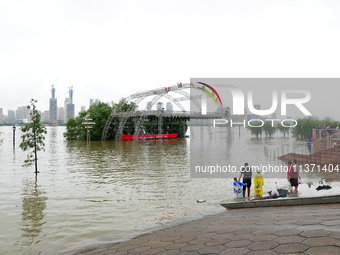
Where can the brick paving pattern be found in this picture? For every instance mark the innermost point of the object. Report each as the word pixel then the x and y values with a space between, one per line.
pixel 305 229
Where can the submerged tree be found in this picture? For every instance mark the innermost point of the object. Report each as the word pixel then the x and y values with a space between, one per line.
pixel 169 125
pixel 304 127
pixel 269 129
pixel 33 137
pixel 256 129
pixel 284 130
pixel 99 113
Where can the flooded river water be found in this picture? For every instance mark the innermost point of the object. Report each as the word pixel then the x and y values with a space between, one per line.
pixel 92 194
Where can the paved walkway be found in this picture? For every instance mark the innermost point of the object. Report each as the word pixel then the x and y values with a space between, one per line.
pixel 305 229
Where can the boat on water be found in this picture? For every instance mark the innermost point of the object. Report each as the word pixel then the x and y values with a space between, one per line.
pixel 148 136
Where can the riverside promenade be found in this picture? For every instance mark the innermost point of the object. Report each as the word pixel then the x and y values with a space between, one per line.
pixel 301 229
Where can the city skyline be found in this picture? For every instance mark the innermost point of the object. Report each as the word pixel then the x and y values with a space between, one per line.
pixel 60 114
pixel 54 114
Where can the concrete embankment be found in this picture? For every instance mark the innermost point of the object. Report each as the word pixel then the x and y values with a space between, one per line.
pixel 283 202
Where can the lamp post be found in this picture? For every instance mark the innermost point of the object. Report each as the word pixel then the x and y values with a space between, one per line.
pixel 14 128
pixel 88 126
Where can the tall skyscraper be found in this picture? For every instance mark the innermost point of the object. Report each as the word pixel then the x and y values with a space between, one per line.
pixel 53 107
pixel 61 115
pixel 69 105
pixel 11 116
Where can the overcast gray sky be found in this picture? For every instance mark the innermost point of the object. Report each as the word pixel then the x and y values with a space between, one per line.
pixel 111 49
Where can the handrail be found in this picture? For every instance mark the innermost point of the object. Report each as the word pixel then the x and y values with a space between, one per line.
pixel 324 132
pixel 326 142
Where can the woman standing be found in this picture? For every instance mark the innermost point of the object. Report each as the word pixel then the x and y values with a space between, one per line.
pixel 293 177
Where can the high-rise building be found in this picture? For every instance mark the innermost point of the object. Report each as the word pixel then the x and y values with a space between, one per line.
pixel 22 114
pixel 69 111
pixel 53 107
pixel 69 105
pixel 94 101
pixel 149 106
pixel 67 100
pixel 159 106
pixel 1 116
pixel 169 107
pixel 11 116
pixel 61 115
pixel 45 116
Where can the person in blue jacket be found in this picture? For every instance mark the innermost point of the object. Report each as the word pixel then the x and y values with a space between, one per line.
pixel 238 187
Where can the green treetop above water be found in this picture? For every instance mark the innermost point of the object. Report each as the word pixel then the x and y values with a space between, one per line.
pixel 33 137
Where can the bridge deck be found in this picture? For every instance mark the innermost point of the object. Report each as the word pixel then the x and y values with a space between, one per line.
pixel 178 114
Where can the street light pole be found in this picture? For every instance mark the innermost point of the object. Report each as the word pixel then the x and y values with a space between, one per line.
pixel 14 128
pixel 88 125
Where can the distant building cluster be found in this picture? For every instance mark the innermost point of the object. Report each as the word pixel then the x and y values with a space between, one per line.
pixel 55 114
pixel 159 106
pixel 94 101
pixel 60 115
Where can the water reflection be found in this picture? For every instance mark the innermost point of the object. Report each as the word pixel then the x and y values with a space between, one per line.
pixel 33 206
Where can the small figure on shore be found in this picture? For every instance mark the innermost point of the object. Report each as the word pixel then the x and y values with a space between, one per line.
pixel 293 176
pixel 258 184
pixel 238 187
pixel 334 144
pixel 290 173
pixel 246 173
pixel 309 145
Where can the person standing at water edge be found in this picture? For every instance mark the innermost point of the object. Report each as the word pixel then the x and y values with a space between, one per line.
pixel 258 184
pixel 292 177
pixel 290 173
pixel 296 175
pixel 238 187
pixel 246 173
pixel 309 144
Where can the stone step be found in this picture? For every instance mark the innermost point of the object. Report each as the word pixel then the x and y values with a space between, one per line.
pixel 283 202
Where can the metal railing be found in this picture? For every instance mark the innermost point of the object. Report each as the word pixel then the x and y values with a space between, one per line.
pixel 325 143
pixel 275 153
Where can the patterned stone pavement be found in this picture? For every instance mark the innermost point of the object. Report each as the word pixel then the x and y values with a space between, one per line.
pixel 305 229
